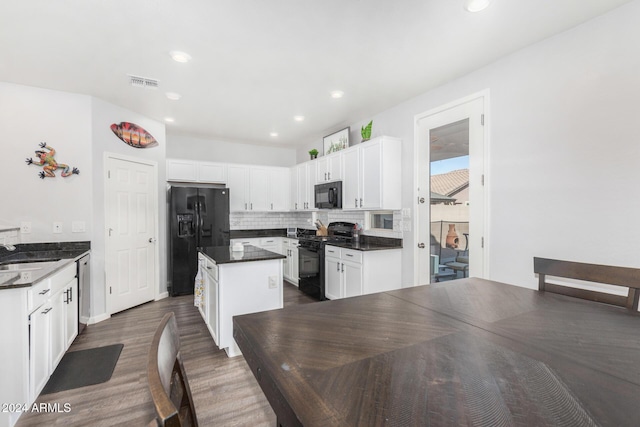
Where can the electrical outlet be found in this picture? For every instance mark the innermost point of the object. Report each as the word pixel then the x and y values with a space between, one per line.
pixel 57 227
pixel 273 282
pixel 25 227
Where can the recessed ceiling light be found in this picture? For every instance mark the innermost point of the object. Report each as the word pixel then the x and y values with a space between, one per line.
pixel 273 134
pixel 180 56
pixel 173 96
pixel 169 119
pixel 298 118
pixel 476 5
pixel 337 94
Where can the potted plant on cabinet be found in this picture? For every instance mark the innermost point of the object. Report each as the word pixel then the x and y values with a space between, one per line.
pixel 313 153
pixel 365 131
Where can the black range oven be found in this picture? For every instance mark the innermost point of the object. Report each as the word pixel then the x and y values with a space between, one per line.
pixel 311 257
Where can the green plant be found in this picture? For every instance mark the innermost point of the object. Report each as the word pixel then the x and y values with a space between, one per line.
pixel 313 152
pixel 365 131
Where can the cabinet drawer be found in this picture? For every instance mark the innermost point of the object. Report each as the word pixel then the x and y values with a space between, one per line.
pixel 269 241
pixel 211 269
pixel 62 278
pixel 351 255
pixel 332 251
pixel 38 294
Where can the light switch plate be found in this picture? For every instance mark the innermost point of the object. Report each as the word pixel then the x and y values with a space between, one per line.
pixel 78 227
pixel 57 227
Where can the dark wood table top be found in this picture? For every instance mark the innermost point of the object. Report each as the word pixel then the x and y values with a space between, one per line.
pixel 464 352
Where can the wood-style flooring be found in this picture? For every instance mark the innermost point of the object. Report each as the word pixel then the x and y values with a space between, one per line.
pixel 224 390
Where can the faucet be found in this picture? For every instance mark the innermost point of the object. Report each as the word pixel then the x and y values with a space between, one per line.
pixel 8 246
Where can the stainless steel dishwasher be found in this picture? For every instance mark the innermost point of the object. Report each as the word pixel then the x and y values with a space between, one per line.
pixel 84 292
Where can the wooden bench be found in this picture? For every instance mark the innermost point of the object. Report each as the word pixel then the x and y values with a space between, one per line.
pixel 619 276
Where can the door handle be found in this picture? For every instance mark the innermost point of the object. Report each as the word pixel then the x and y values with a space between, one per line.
pixel 421 245
pixel 152 239
pixel 325 176
pixel 296 206
pixel 271 206
pixel 343 267
pixel 47 310
pixel 70 294
pixel 360 201
pixel 329 174
pixel 421 200
pixel 338 267
pixel 245 206
pixel 356 203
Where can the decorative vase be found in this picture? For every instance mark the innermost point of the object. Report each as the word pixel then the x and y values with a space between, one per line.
pixel 313 156
pixel 452 237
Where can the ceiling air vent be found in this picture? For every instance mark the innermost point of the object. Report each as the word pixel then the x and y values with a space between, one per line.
pixel 144 82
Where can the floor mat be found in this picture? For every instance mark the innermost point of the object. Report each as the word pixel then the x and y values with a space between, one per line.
pixel 84 367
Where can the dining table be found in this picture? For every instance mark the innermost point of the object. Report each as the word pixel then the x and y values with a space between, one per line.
pixel 467 352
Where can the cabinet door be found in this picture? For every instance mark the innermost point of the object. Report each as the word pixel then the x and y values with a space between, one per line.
pixel 212 172
pixel 39 349
pixel 294 275
pixel 351 180
pixel 310 184
pixel 333 278
pixel 212 303
pixel 352 276
pixel 279 189
pixel 181 170
pixel 58 321
pixel 258 190
pixel 71 313
pixel 334 167
pixel 322 164
pixel 293 188
pixel 237 181
pixel 371 161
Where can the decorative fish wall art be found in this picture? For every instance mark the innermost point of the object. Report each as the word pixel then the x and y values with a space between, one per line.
pixel 49 164
pixel 134 135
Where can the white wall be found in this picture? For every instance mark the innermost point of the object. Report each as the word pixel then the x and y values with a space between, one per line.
pixel 28 116
pixel 563 148
pixel 186 147
pixel 104 141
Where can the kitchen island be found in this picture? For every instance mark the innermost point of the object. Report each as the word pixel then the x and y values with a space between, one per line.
pixel 234 283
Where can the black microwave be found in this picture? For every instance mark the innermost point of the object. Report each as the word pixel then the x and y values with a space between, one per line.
pixel 329 195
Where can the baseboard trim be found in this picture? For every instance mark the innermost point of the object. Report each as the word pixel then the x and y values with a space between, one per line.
pixel 162 296
pixel 98 319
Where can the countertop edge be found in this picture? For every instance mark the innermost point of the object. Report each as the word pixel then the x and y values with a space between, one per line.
pixel 63 263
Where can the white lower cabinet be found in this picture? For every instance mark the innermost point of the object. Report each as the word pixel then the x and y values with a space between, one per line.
pixel 40 349
pixel 210 298
pixel 349 272
pixel 290 264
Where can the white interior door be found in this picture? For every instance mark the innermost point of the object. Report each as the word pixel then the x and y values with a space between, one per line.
pixel 472 109
pixel 131 213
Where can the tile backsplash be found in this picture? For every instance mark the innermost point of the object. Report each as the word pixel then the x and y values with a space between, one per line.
pixel 259 220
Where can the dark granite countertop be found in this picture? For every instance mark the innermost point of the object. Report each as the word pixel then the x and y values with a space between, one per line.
pixel 224 254
pixel 371 243
pixel 263 232
pixel 37 261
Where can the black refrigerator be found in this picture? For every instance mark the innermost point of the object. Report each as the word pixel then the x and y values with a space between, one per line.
pixel 198 217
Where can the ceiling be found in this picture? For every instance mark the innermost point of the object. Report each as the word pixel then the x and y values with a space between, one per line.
pixel 256 64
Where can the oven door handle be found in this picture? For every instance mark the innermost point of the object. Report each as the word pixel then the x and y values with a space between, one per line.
pixel 331 195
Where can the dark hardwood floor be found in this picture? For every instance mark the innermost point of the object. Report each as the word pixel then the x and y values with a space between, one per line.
pixel 225 392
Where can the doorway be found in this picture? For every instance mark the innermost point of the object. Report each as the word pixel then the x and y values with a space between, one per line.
pixel 450 174
pixel 131 213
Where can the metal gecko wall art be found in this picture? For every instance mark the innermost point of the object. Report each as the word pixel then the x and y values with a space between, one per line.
pixel 49 164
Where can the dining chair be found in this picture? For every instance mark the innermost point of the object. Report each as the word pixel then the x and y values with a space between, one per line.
pixel 611 275
pixel 167 378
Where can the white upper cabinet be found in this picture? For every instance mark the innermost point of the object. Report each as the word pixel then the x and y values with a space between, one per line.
pixel 329 168
pixel 238 183
pixel 372 175
pixel 303 181
pixel 258 188
pixel 195 171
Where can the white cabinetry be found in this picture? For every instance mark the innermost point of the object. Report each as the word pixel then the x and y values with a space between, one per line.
pixel 239 288
pixel 290 264
pixel 329 168
pixel 351 272
pixel 209 308
pixel 372 178
pixel 303 181
pixel 258 189
pixel 196 171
